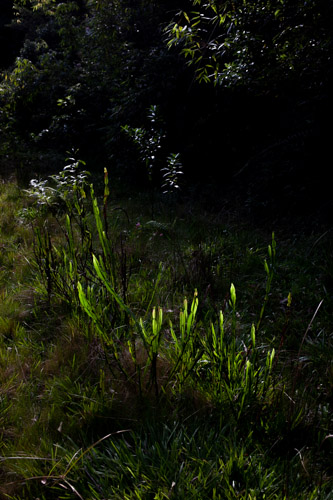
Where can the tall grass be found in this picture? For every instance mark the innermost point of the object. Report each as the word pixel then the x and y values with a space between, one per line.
pixel 113 385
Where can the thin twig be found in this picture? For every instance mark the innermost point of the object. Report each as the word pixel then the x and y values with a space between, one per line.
pixel 308 328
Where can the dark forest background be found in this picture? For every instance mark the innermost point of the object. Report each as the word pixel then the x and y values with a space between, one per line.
pixel 243 91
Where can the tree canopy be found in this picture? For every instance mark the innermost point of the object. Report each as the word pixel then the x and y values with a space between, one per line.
pixel 262 45
pixel 241 86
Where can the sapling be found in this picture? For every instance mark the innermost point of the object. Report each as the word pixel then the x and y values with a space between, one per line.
pixel 149 142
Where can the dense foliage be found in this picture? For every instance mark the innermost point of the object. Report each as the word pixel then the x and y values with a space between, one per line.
pixel 263 45
pixel 77 72
pixel 84 69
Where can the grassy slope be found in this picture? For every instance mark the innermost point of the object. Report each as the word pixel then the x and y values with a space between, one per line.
pixel 61 390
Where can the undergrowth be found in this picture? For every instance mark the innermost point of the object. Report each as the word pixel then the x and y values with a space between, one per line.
pixel 180 357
